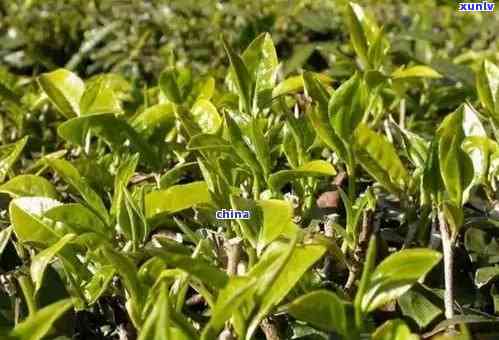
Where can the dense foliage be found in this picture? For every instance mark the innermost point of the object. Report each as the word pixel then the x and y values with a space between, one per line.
pixel 367 156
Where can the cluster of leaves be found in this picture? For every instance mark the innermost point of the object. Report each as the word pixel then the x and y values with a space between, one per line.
pixel 358 187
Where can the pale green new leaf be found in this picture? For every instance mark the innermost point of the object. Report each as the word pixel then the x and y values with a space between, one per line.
pixel 205 114
pixel 40 262
pixel 456 167
pixel 260 58
pixel 356 24
pixel 64 90
pixel 26 218
pixel 396 274
pixel 29 185
pixel 240 147
pixel 71 176
pixel 78 219
pixel 380 159
pixel 99 283
pixel 315 168
pixel 99 97
pixel 279 280
pixel 394 330
pixel 487 84
pixel 155 122
pixel 4 238
pixel 36 326
pixel 176 198
pixel 277 220
pixel 169 87
pixel 419 71
pixel 244 81
pixel 9 154
pixel 229 300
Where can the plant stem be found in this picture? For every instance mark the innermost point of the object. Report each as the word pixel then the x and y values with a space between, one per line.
pixel 233 248
pixel 402 113
pixel 28 292
pixel 448 266
pixel 360 251
pixel 351 184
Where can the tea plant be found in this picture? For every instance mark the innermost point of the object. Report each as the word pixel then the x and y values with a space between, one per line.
pixel 371 199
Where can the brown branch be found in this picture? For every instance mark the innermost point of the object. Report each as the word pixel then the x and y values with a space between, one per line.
pixel 270 329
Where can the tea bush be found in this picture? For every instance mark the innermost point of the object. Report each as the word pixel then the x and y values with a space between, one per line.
pixel 365 165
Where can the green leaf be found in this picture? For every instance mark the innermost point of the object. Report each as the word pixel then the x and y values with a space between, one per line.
pixel 396 274
pixel 99 283
pixel 197 267
pixel 36 326
pixel 415 148
pixel 346 107
pixel 205 141
pixel 122 177
pixel 114 131
pixel 321 309
pixel 26 218
pixel 296 84
pixel 176 173
pixel 131 219
pixel 379 158
pixel 487 84
pixel 71 176
pixel 205 114
pixel 484 275
pixel 260 58
pixel 155 122
pixel 64 90
pixel 176 198
pixel 316 91
pixel 229 300
pixel 240 147
pixel 456 167
pixel 29 185
pixel 416 306
pixel 275 282
pixel 260 145
pixel 394 330
pixel 158 324
pixel 78 219
pixel 276 221
pixel 243 79
pixel 207 89
pixel 9 154
pixel 99 97
pixel 355 20
pixel 169 87
pixel 418 71
pixel 378 50
pixel 4 238
pixel 40 262
pixel 311 169
pixel 128 273
pixel 320 121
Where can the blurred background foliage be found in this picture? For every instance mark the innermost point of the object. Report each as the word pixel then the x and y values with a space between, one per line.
pixel 140 38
